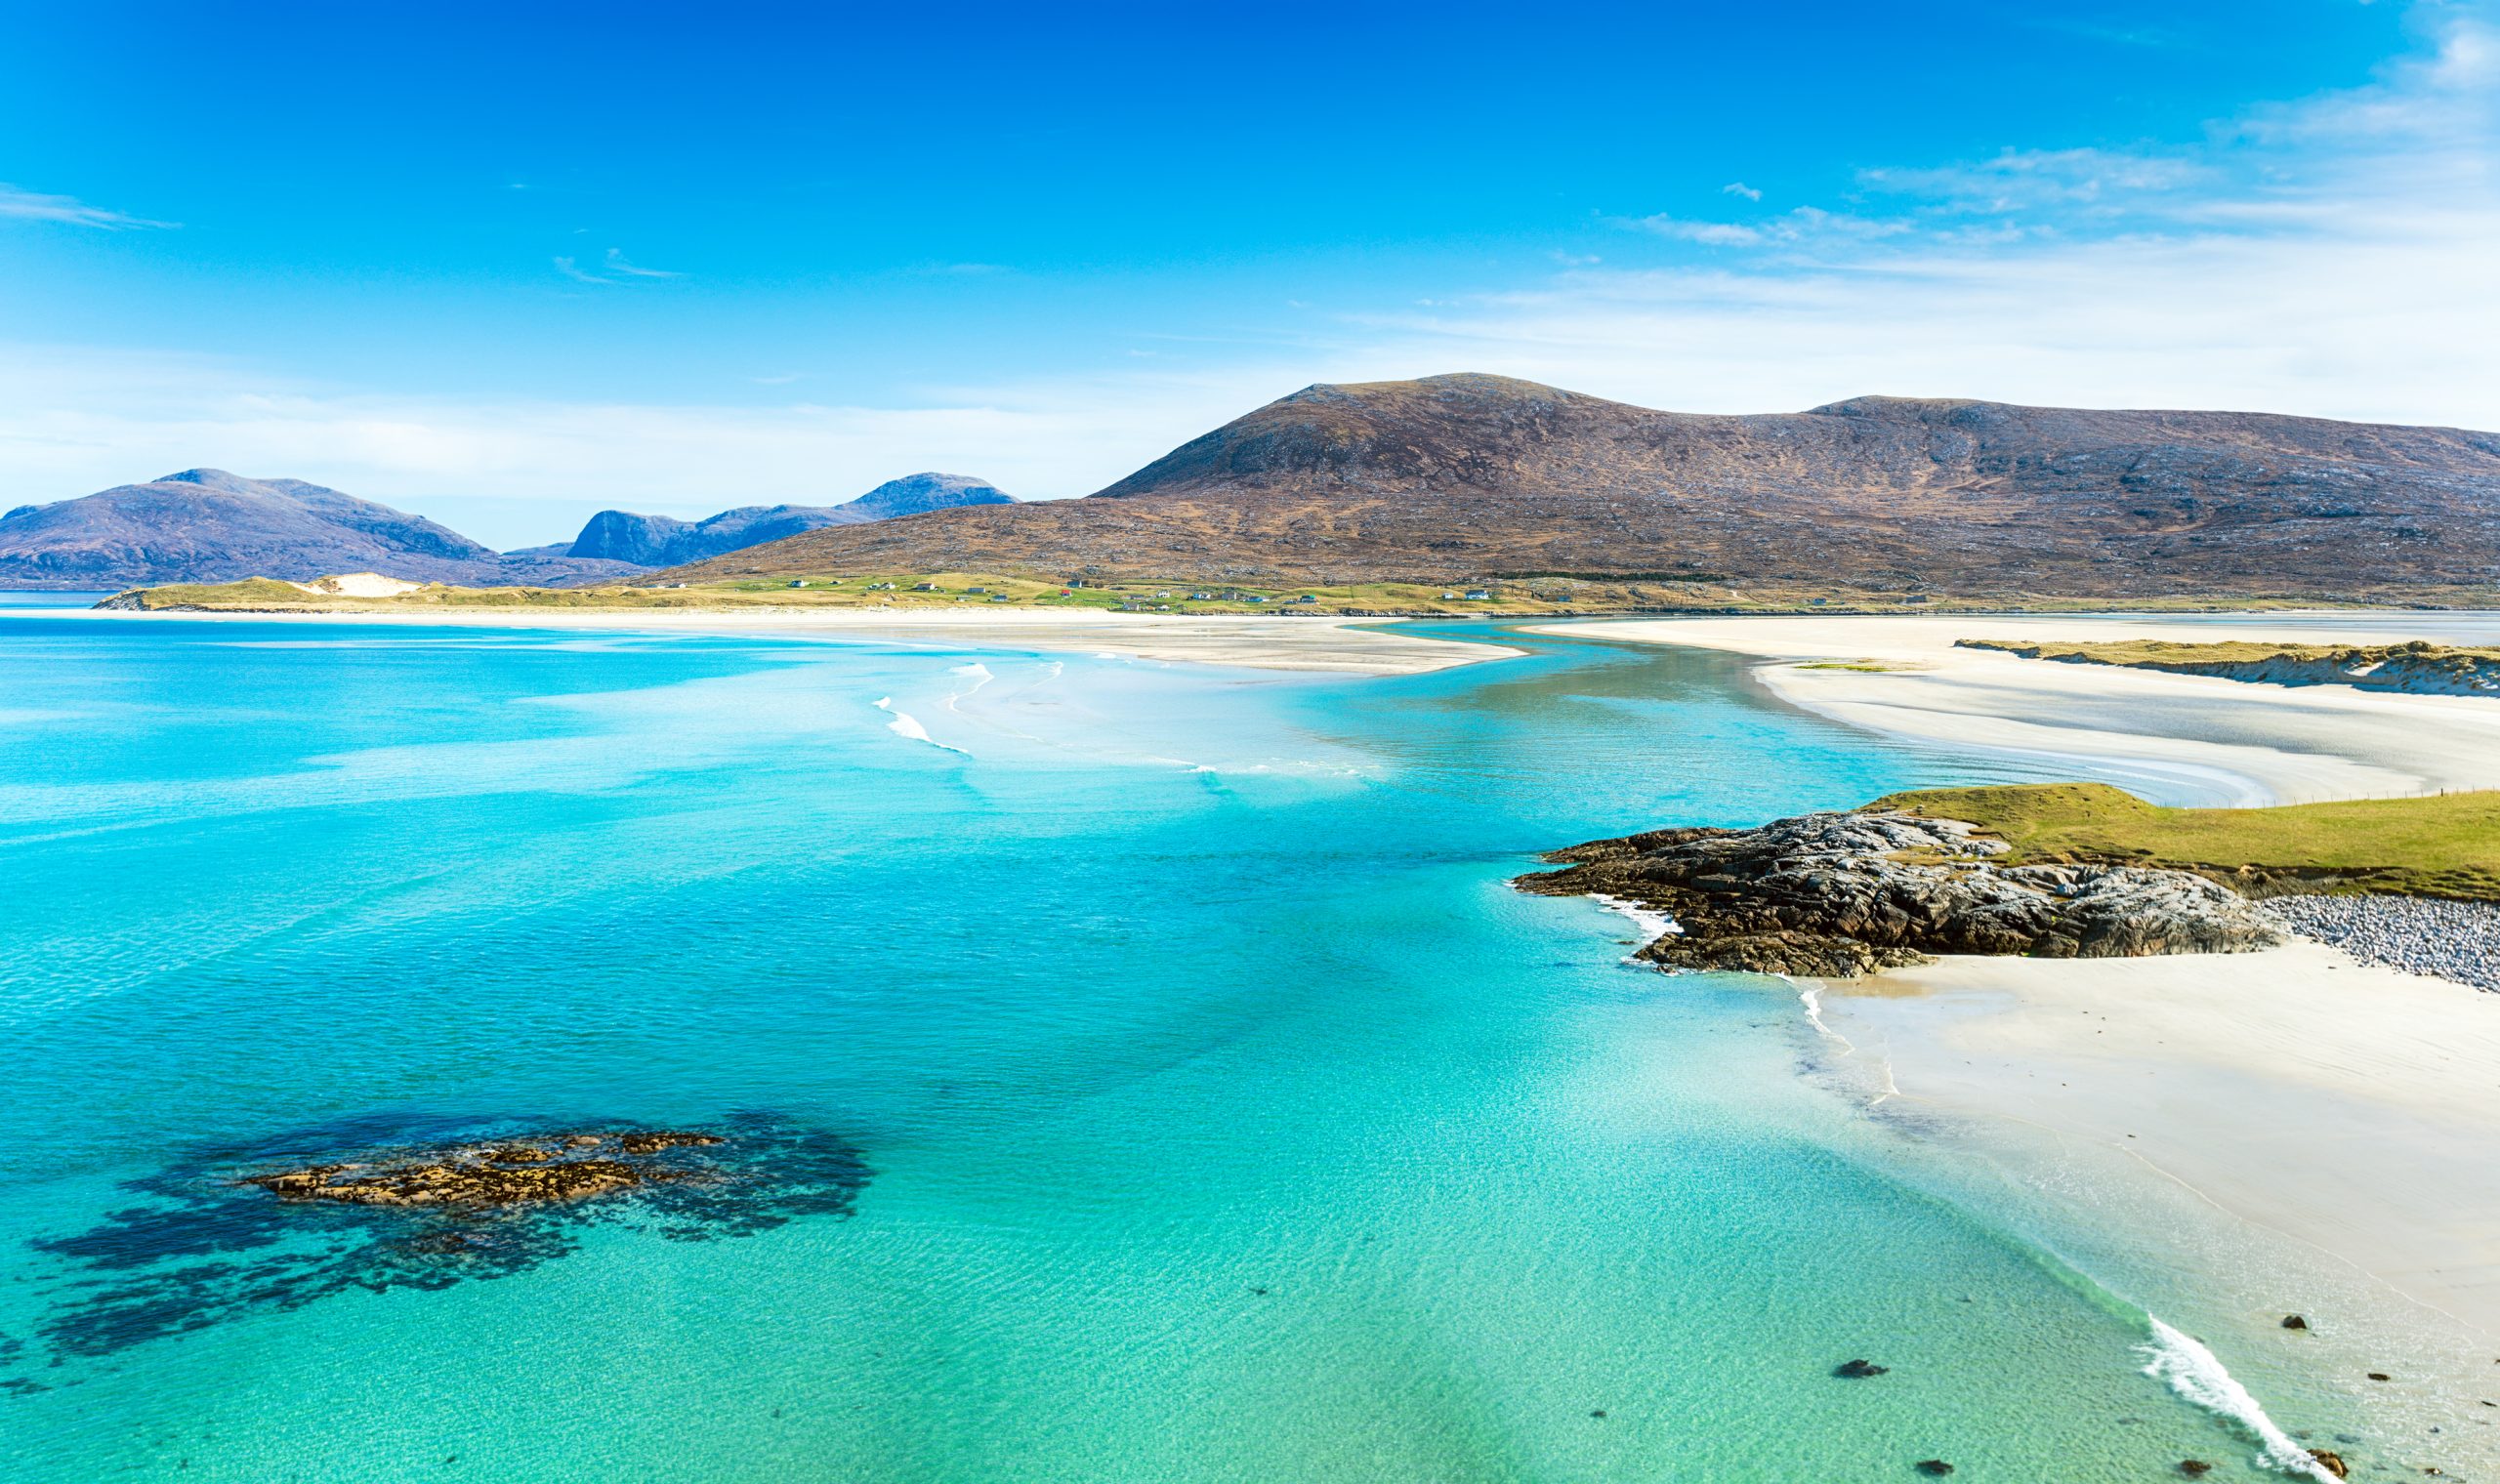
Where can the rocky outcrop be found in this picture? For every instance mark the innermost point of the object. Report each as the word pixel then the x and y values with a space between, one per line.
pixel 1832 895
pixel 508 1172
pixel 2417 668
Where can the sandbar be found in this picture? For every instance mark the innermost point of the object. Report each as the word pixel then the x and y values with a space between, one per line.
pixel 1314 642
pixel 2176 738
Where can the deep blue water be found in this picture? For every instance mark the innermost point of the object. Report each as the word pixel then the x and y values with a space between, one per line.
pixel 1146 1073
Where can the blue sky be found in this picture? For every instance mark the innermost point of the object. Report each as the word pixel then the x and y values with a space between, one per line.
pixel 507 269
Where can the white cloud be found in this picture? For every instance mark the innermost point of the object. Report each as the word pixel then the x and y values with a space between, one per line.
pixel 1740 188
pixel 1708 233
pixel 2331 256
pixel 34 206
pixel 615 267
pixel 616 264
pixel 520 473
pixel 2026 179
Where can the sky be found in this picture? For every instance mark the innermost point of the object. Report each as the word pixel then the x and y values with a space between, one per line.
pixel 507 266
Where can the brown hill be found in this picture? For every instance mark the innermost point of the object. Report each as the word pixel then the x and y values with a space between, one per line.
pixel 208 526
pixel 1475 476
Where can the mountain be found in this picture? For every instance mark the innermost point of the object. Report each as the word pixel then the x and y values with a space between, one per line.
pixel 659 541
pixel 1475 476
pixel 208 526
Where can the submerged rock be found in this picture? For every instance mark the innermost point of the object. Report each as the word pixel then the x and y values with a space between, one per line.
pixel 1857 1369
pixel 500 1174
pixel 1936 1467
pixel 1836 895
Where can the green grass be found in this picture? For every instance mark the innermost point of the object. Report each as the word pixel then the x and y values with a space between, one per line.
pixel 2156 652
pixel 2442 845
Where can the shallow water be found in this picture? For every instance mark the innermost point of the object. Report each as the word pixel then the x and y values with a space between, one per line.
pixel 1220 1114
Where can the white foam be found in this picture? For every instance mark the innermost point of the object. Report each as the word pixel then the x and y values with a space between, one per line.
pixel 1812 997
pixel 905 724
pixel 976 672
pixel 1653 924
pixel 2192 1370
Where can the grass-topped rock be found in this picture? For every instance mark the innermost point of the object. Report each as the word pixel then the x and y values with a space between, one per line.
pixel 2068 870
pixel 1837 895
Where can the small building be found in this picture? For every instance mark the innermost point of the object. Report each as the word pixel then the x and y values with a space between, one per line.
pixel 1308 598
pixel 1479 594
pixel 924 587
pixel 797 582
pixel 976 592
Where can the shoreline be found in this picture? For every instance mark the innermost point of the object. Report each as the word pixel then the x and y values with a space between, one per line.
pixel 2245 1078
pixel 2220 1141
pixel 1314 644
pixel 2177 738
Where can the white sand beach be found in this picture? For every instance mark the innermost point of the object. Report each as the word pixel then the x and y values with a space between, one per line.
pixel 1331 644
pixel 2185 738
pixel 2328 1122
pixel 2346 1106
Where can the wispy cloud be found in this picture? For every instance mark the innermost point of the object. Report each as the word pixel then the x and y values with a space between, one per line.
pixel 2021 180
pixel 1708 233
pixel 1740 188
pixel 35 206
pixel 616 264
pixel 615 267
pixel 1802 225
pixel 2328 256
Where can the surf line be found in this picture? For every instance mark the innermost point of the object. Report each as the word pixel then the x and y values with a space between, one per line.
pixel 2197 1374
pixel 903 723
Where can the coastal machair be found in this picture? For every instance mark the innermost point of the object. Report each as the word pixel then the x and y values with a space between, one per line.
pixel 1372 745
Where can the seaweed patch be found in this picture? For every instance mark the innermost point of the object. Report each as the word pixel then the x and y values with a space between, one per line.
pixel 376 1204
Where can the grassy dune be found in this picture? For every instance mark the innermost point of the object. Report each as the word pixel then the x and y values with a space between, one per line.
pixel 2444 845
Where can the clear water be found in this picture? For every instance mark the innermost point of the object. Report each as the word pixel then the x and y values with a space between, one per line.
pixel 1229 1118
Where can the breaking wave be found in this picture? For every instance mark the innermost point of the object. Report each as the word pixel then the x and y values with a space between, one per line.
pixel 2198 1376
pixel 905 724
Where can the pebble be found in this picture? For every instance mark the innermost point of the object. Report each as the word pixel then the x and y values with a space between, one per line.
pixel 2456 941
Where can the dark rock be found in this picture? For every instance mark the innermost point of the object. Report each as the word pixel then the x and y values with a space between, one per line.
pixel 1832 895
pixel 2332 1461
pixel 2379 1376
pixel 653 1142
pixel 1935 1466
pixel 2194 1467
pixel 2295 1322
pixel 483 1174
pixel 1856 1370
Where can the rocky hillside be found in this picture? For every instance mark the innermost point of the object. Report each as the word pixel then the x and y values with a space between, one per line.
pixel 658 541
pixel 1476 476
pixel 208 526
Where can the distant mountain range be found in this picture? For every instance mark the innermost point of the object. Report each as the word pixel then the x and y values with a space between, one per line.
pixel 1474 477
pixel 657 541
pixel 208 526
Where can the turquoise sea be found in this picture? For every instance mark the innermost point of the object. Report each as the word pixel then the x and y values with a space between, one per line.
pixel 1141 1071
